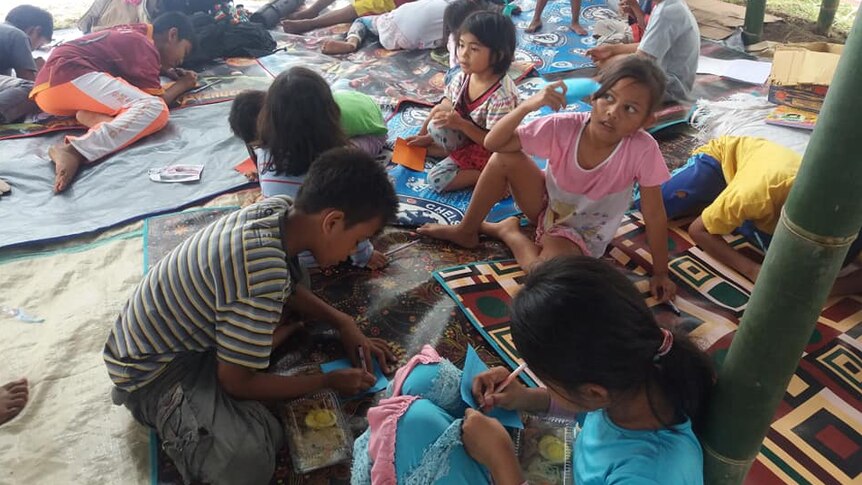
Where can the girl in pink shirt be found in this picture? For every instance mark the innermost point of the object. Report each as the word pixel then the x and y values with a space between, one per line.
pixel 594 160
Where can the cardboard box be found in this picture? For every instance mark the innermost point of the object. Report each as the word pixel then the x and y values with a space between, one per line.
pixel 801 74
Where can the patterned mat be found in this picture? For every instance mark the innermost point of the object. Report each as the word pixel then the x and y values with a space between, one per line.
pixel 817 433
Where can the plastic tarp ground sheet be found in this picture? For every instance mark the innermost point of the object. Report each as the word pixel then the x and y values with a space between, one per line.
pixel 116 189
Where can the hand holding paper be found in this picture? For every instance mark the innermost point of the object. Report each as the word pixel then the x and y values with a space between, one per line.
pixel 473 367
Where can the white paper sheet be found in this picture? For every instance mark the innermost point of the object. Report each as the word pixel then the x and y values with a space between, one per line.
pixel 754 72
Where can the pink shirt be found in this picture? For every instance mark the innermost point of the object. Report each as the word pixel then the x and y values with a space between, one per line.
pixel 590 202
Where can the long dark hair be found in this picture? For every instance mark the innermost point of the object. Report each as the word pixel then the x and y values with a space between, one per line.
pixel 299 121
pixel 579 320
pixel 643 71
pixel 496 32
pixel 455 13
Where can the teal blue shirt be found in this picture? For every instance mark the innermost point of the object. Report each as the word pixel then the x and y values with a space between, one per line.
pixel 606 454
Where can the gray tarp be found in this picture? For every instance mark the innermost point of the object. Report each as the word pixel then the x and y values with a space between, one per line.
pixel 117 189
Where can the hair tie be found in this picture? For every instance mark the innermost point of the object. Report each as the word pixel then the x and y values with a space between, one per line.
pixel 666 344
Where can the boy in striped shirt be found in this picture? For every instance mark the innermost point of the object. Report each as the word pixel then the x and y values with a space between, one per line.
pixel 186 352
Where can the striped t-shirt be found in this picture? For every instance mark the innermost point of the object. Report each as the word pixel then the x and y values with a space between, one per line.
pixel 223 289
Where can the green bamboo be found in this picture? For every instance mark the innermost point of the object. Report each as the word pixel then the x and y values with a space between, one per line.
pixel 820 220
pixel 826 16
pixel 752 29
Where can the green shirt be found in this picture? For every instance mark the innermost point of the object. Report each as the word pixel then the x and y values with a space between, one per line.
pixel 360 115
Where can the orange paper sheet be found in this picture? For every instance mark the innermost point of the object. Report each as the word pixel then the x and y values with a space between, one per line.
pixel 411 157
pixel 246 167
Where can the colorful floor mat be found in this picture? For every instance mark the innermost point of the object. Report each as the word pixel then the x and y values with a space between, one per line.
pixel 817 433
pixel 556 48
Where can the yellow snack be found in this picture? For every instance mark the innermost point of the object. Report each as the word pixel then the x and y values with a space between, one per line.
pixel 552 449
pixel 320 418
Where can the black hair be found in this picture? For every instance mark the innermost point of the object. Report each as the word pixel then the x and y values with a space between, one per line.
pixel 244 112
pixel 299 121
pixel 579 320
pixel 640 69
pixel 175 20
pixel 455 13
pixel 349 180
pixel 496 32
pixel 24 17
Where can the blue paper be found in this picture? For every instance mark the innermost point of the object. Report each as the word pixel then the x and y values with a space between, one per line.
pixel 474 366
pixel 579 88
pixel 382 380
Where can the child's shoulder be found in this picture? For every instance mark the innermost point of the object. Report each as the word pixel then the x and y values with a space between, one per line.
pixel 642 140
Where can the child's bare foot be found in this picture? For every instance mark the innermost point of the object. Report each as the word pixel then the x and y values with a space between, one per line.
pixel 500 230
pixel 578 28
pixel 296 26
pixel 378 260
pixel 535 26
pixel 302 14
pixel 91 119
pixel 13 398
pixel 338 47
pixel 67 162
pixel 456 234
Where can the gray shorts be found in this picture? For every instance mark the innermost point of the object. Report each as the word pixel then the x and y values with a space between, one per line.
pixel 210 436
pixel 15 103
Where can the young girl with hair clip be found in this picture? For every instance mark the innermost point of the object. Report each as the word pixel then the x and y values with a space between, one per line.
pixel 583 328
pixel 594 161
pixel 302 118
pixel 474 101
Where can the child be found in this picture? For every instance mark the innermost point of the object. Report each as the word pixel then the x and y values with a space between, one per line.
pixel 13 397
pixel 309 18
pixel 583 328
pixel 740 184
pixel 594 160
pixel 293 130
pixel 536 23
pixel 186 352
pixel 26 29
pixel 672 39
pixel 412 26
pixel 109 81
pixel 474 101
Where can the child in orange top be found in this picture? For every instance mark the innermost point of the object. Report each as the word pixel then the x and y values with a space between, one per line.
pixel 109 80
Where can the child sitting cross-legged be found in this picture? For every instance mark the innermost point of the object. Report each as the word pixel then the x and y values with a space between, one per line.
pixel 594 160
pixel 583 328
pixel 187 352
pixel 286 131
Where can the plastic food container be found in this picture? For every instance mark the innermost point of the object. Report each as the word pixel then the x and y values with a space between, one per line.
pixel 317 432
pixel 544 448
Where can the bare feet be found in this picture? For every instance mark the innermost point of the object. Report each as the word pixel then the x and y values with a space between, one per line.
pixel 535 26
pixel 91 119
pixel 13 398
pixel 456 234
pixel 578 28
pixel 338 47
pixel 378 260
pixel 296 26
pixel 67 161
pixel 500 230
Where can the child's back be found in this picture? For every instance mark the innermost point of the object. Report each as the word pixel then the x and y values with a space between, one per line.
pixel 673 39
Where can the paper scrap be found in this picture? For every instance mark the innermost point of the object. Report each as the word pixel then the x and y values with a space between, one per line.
pixel 176 173
pixel 474 366
pixel 382 380
pixel 409 156
pixel 754 72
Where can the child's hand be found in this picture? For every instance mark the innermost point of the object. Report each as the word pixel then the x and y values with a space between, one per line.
pixel 662 288
pixel 188 80
pixel 553 96
pixel 352 338
pixel 601 53
pixel 420 141
pixel 484 385
pixel 349 382
pixel 378 260
pixel 448 119
pixel 485 439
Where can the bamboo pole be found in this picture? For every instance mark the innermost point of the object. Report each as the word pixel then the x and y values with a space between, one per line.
pixel 826 16
pixel 752 29
pixel 821 218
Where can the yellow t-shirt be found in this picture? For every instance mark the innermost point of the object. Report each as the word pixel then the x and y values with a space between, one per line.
pixel 759 176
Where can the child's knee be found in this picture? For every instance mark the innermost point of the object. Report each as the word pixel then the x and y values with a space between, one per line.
pixel 441 175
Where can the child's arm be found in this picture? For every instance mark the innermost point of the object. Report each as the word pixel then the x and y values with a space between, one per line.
pixel 451 119
pixel 423 138
pixel 184 82
pixel 717 247
pixel 503 137
pixel 487 442
pixel 245 383
pixel 308 304
pixel 655 217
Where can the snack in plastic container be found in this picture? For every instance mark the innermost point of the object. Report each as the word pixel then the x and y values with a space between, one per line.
pixel 544 448
pixel 317 432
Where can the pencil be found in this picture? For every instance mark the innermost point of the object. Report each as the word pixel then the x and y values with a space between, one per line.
pixel 515 373
pixel 399 248
pixel 362 360
pixel 673 307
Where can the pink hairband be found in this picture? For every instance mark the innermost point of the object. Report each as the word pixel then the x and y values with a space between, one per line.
pixel 666 344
